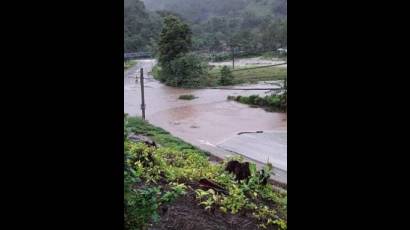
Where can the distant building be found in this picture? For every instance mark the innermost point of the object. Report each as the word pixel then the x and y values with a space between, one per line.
pixel 282 51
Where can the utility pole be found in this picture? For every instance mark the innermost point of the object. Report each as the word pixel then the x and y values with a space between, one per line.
pixel 286 94
pixel 233 58
pixel 142 93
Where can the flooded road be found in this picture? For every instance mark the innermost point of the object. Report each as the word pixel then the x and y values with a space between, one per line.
pixel 209 121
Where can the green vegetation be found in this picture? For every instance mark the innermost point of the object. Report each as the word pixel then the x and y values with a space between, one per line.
pixel 271 55
pixel 270 103
pixel 175 40
pixel 187 97
pixel 250 25
pixel 268 55
pixel 184 35
pixel 141 27
pixel 251 75
pixel 226 76
pixel 129 64
pixel 160 136
pixel 188 71
pixel 157 176
pixel 179 68
pixel 225 56
pixel 141 204
pixel 142 198
pixel 238 77
pixel 155 71
pixel 217 25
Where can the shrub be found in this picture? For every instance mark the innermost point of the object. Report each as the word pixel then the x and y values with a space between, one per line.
pixel 185 71
pixel 140 207
pixel 226 76
pixel 272 102
pixel 253 99
pixel 187 97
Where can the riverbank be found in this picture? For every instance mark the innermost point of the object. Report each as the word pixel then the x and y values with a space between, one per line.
pixel 160 136
pixel 270 103
pixel 163 188
pixel 165 139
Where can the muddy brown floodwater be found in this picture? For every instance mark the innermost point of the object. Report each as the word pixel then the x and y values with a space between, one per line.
pixel 207 121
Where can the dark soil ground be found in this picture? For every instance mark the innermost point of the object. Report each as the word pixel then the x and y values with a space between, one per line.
pixel 185 214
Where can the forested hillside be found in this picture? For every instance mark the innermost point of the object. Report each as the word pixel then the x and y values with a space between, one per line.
pixel 250 25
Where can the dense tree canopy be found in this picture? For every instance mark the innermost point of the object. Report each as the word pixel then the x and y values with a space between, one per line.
pixel 141 28
pixel 175 40
pixel 216 24
pixel 251 25
pixel 178 66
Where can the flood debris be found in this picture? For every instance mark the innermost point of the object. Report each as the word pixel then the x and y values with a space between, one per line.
pixel 240 133
pixel 140 138
pixel 209 184
pixel 240 170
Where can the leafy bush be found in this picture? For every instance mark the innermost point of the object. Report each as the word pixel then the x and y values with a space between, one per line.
pixel 244 100
pixel 176 191
pixel 140 207
pixel 272 102
pixel 187 71
pixel 226 76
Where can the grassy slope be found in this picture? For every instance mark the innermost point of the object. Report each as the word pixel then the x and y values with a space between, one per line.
pixel 159 135
pixel 252 75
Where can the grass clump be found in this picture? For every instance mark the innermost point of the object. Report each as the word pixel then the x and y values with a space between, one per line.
pixel 187 97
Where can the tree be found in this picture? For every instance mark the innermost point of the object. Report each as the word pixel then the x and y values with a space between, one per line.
pixel 175 40
pixel 179 67
pixel 258 19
